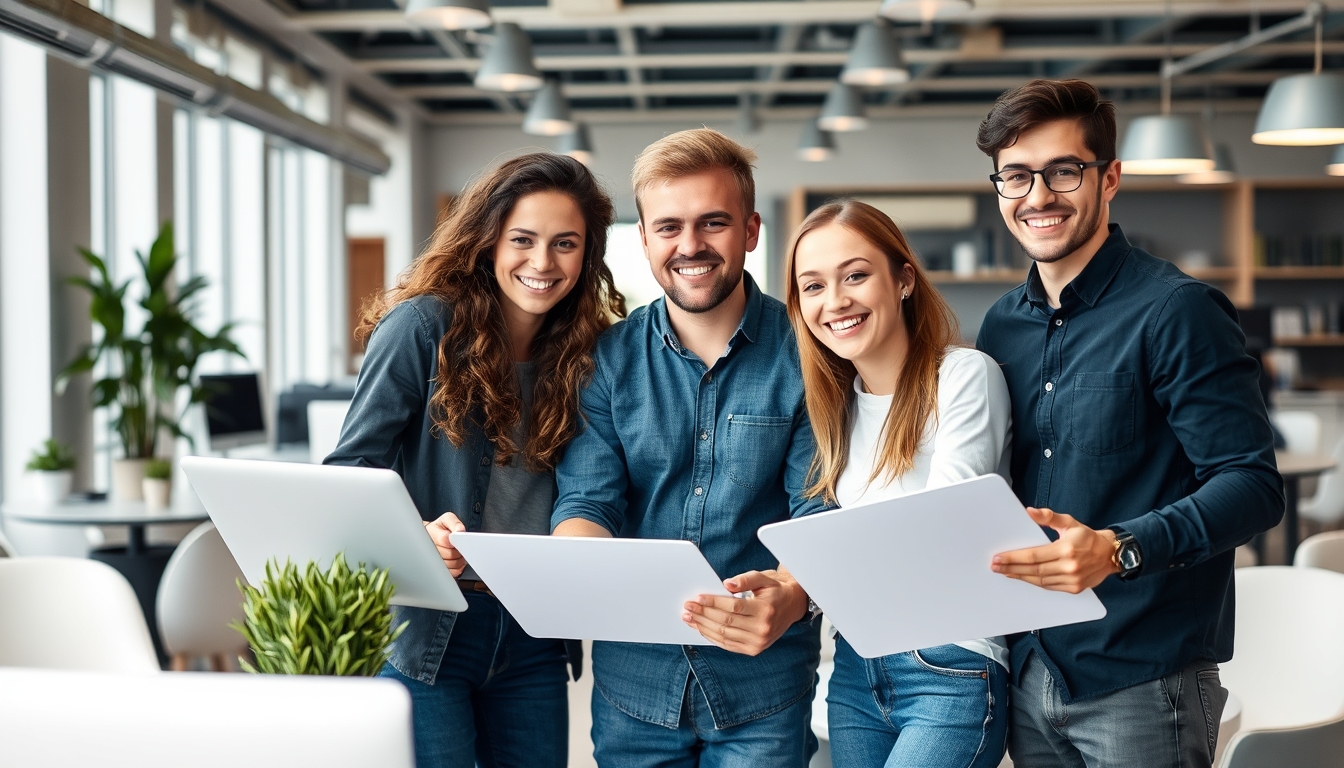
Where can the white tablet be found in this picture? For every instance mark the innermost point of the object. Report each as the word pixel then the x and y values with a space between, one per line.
pixel 270 509
pixel 630 590
pixel 913 572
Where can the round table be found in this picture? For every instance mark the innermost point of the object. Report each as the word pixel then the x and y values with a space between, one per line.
pixel 1293 467
pixel 141 564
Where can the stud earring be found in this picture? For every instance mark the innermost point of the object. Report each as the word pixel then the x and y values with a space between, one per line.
pixel 905 296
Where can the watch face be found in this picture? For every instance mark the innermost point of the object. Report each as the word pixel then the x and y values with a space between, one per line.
pixel 1129 557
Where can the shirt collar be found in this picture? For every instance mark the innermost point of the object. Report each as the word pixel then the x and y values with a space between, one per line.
pixel 1095 278
pixel 748 328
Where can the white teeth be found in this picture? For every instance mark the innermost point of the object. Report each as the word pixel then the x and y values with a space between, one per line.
pixel 535 284
pixel 1050 222
pixel 848 322
pixel 694 271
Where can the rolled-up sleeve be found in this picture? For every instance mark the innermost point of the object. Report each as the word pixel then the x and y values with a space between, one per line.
pixel 592 478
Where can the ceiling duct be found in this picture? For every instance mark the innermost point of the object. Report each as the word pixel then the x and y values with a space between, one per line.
pixel 92 40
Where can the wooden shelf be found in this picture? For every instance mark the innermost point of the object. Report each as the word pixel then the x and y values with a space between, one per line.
pixel 1299 273
pixel 1012 276
pixel 1321 340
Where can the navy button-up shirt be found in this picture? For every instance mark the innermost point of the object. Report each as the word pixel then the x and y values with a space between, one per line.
pixel 1136 405
pixel 676 450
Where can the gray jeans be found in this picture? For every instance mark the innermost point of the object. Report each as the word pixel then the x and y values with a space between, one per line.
pixel 1171 722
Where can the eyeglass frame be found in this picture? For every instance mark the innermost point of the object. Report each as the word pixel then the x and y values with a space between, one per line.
pixel 995 179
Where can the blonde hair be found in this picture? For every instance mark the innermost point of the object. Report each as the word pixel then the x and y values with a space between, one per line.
pixel 689 152
pixel 828 378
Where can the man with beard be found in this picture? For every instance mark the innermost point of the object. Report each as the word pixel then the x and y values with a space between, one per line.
pixel 695 429
pixel 1140 440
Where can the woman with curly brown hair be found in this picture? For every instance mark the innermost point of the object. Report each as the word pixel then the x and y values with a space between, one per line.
pixel 470 390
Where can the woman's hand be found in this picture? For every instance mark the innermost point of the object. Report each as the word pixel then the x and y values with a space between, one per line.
pixel 440 532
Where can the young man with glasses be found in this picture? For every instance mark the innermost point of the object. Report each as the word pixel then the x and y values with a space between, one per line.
pixel 1140 440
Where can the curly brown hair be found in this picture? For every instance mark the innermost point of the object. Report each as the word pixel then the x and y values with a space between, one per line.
pixel 477 383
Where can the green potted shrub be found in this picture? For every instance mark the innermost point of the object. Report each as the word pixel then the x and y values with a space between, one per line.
pixel 158 484
pixel 146 369
pixel 316 622
pixel 51 470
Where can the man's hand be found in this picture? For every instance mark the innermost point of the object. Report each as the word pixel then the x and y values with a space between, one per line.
pixel 440 532
pixel 1079 559
pixel 748 625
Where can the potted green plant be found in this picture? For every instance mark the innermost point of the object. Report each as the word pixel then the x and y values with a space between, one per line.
pixel 52 471
pixel 158 484
pixel 147 369
pixel 332 622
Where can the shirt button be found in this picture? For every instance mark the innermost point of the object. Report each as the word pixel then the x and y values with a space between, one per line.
pixel 477 508
pixel 1059 322
pixel 1049 386
pixel 709 377
pixel 704 435
pixel 699 491
pixel 485 461
pixel 1048 453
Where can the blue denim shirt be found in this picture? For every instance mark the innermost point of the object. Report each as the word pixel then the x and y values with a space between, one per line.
pixel 675 450
pixel 1136 405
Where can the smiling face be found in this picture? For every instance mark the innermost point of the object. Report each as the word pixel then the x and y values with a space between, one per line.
pixel 696 237
pixel 1052 226
pixel 539 254
pixel 849 295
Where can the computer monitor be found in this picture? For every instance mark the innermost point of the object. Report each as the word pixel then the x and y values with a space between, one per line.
pixel 233 410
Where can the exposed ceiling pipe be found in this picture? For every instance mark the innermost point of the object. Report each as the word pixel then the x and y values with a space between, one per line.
pixel 94 41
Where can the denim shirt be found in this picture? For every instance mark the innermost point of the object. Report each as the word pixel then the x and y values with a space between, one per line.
pixel 1135 405
pixel 389 426
pixel 675 450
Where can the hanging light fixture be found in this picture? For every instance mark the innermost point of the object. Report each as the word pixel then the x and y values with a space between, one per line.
pixel 508 65
pixel 816 144
pixel 577 144
pixel 1165 144
pixel 1303 110
pixel 922 10
pixel 548 114
pixel 875 58
pixel 449 14
pixel 1336 166
pixel 1223 171
pixel 843 110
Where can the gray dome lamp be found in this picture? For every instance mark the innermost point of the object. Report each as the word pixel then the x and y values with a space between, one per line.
pixel 1165 145
pixel 815 144
pixel 449 14
pixel 1303 110
pixel 875 58
pixel 549 113
pixel 508 65
pixel 578 144
pixel 843 110
pixel 1336 166
pixel 1224 172
pixel 922 10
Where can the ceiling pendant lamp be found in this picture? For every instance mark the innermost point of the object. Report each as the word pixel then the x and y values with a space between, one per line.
pixel 1336 166
pixel 875 59
pixel 1223 171
pixel 1303 110
pixel 1165 144
pixel 843 110
pixel 508 65
pixel 548 114
pixel 577 144
pixel 449 14
pixel 815 145
pixel 922 10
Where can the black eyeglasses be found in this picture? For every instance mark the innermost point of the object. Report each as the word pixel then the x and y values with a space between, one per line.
pixel 1016 183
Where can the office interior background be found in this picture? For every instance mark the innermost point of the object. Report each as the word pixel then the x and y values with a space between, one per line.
pixel 304 151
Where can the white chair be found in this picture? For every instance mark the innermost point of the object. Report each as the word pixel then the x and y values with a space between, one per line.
pixel 68 613
pixel 1327 506
pixel 325 419
pixel 1301 430
pixel 1324 550
pixel 1312 746
pixel 198 599
pixel 202 720
pixel 1288 667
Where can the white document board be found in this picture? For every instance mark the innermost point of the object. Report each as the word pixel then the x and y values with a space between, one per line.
pixel 914 572
pixel 627 590
pixel 271 509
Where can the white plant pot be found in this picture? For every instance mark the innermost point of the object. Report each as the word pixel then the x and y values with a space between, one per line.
pixel 126 477
pixel 158 493
pixel 52 487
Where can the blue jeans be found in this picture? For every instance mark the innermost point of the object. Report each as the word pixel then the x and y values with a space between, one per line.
pixel 943 706
pixel 780 740
pixel 500 698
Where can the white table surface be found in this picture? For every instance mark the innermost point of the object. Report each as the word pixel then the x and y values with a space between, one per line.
pixel 102 512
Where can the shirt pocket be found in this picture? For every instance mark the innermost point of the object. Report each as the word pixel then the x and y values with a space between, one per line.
pixel 755 448
pixel 1102 412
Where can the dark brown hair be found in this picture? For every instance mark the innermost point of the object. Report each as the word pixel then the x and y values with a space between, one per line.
pixel 1044 101
pixel 477 379
pixel 828 378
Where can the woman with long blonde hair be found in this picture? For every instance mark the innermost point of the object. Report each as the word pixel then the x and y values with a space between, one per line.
pixel 897 406
pixel 470 390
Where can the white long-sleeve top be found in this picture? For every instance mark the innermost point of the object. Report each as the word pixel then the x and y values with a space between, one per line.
pixel 970 438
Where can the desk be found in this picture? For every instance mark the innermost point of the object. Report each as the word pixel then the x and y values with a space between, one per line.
pixel 1294 467
pixel 141 564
